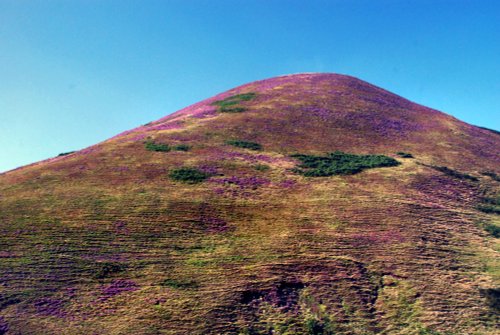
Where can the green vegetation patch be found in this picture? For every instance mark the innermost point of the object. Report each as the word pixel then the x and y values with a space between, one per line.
pixel 340 163
pixel 230 104
pixel 232 109
pixel 182 147
pixel 492 229
pixel 179 284
pixel 153 146
pixel 245 144
pixel 319 327
pixel 453 173
pixel 235 99
pixel 404 154
pixel 489 208
pixel 163 147
pixel 65 153
pixel 261 167
pixel 188 175
pixel 493 297
pixel 490 205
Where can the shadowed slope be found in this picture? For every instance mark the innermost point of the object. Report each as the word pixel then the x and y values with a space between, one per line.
pixel 199 223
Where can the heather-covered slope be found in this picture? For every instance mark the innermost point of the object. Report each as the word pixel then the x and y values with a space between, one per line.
pixel 229 217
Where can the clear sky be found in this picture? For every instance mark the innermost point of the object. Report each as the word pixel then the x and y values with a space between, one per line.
pixel 76 72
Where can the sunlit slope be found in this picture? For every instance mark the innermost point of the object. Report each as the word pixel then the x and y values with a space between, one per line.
pixel 303 204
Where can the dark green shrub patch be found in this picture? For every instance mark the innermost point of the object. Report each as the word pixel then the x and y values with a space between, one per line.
pixel 489 208
pixel 338 163
pixel 404 154
pixel 492 295
pixel 11 298
pixel 427 331
pixel 490 205
pixel 230 104
pixel 244 144
pixel 261 167
pixel 453 173
pixel 107 269
pixel 243 96
pixel 163 147
pixel 492 229
pixel 65 153
pixel 188 175
pixel 182 147
pixel 492 201
pixel 231 109
pixel 235 99
pixel 179 284
pixel 319 327
pixel 153 146
pixel 492 175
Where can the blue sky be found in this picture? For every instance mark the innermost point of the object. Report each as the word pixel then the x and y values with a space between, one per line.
pixel 76 72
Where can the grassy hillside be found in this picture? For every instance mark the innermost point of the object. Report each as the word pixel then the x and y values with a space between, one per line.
pixel 304 204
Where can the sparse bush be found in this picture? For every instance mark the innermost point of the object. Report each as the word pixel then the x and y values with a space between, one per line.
pixel 314 327
pixel 244 144
pixel 182 147
pixel 107 269
pixel 153 146
pixel 427 331
pixel 65 153
pixel 261 167
pixel 188 175
pixel 232 109
pixel 178 284
pixel 340 163
pixel 319 327
pixel 453 173
pixel 404 154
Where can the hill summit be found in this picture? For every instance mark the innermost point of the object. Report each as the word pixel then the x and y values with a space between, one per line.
pixel 301 204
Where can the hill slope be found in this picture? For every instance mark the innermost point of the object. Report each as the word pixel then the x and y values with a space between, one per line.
pixel 231 217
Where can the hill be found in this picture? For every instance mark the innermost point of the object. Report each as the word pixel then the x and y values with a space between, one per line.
pixel 301 204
